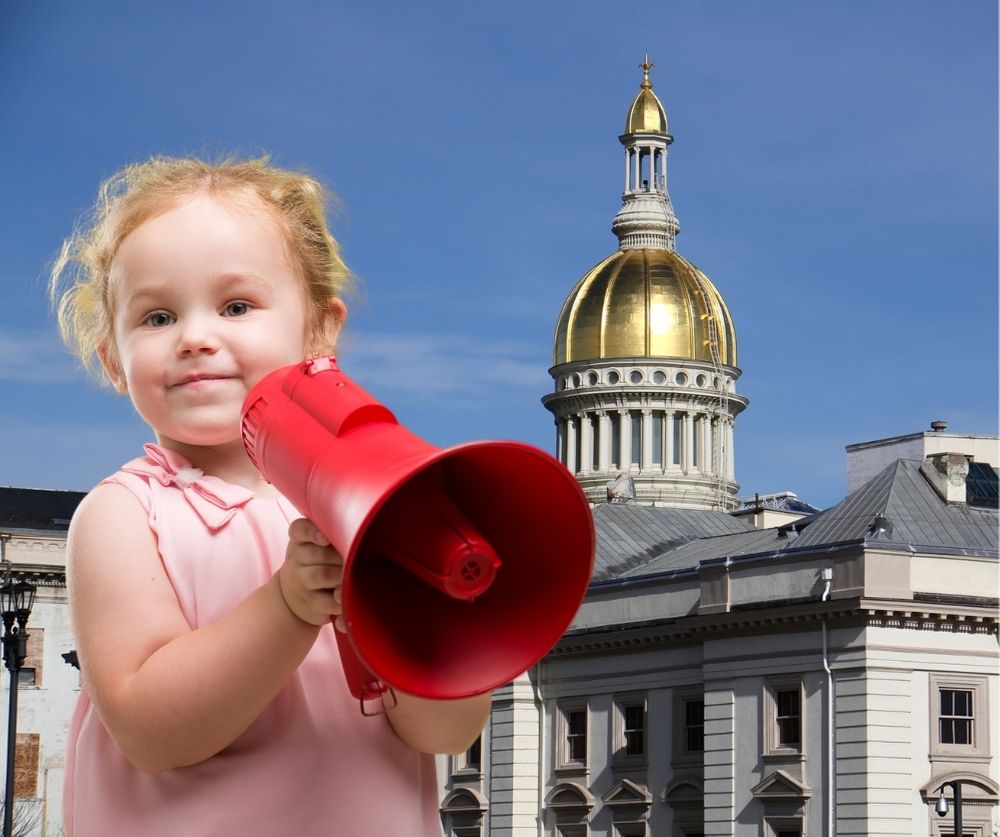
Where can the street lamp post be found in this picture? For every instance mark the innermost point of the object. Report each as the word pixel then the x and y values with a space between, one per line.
pixel 16 600
pixel 942 804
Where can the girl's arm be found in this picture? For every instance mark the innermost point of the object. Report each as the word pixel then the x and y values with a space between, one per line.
pixel 439 726
pixel 168 695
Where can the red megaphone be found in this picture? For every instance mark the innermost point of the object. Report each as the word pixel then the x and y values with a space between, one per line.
pixel 462 566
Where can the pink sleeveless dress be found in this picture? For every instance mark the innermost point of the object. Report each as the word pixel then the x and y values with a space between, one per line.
pixel 311 765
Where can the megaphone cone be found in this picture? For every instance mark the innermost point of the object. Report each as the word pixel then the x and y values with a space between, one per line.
pixel 462 566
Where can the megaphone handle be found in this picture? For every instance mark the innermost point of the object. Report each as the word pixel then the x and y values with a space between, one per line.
pixel 362 682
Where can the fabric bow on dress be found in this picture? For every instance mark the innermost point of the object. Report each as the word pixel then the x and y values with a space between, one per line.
pixel 214 500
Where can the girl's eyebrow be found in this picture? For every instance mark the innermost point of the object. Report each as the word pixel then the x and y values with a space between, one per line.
pixel 154 292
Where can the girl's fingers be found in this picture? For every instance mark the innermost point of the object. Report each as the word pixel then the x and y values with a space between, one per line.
pixel 304 531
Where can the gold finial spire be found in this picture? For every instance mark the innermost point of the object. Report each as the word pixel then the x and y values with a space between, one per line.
pixel 645 66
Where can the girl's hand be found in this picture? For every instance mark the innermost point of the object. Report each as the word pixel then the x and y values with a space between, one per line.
pixel 311 576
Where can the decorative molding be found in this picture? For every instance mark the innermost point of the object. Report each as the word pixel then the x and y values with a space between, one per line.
pixel 779 786
pixel 861 612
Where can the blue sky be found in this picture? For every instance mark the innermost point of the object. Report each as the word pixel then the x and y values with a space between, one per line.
pixel 834 171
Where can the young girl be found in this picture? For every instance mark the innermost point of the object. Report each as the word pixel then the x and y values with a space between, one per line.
pixel 213 700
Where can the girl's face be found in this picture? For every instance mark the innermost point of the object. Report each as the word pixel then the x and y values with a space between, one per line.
pixel 206 304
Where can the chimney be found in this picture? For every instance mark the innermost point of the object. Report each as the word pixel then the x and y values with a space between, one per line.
pixel 939 426
pixel 947 473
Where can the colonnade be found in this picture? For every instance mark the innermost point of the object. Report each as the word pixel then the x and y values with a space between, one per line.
pixel 657 157
pixel 647 441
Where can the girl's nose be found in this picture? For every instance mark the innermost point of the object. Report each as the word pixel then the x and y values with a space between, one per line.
pixel 197 336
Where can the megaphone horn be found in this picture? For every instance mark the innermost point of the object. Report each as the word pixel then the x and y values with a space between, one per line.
pixel 462 566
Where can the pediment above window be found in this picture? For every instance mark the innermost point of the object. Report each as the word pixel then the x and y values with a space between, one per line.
pixel 627 793
pixel 779 785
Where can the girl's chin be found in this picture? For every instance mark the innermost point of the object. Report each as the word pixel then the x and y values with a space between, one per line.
pixel 219 440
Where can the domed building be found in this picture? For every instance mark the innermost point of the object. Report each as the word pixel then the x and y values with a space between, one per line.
pixel 644 356
pixel 776 671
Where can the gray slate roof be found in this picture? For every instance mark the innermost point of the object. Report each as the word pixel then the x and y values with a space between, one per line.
pixel 920 521
pixel 630 535
pixel 920 518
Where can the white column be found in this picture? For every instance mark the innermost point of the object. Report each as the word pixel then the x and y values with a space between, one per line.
pixel 628 160
pixel 586 444
pixel 647 442
pixel 669 418
pixel 706 444
pixel 570 458
pixel 688 462
pixel 713 445
pixel 603 441
pixel 637 169
pixel 663 170
pixel 730 468
pixel 624 441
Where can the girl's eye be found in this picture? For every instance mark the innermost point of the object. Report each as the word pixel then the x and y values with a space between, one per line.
pixel 158 319
pixel 237 309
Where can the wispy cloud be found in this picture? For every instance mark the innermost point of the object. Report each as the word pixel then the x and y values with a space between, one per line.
pixel 35 357
pixel 453 368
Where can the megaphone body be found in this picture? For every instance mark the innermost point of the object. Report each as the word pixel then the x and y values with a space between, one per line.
pixel 462 566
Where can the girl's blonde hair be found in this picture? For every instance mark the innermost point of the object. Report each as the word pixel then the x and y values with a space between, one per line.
pixel 79 283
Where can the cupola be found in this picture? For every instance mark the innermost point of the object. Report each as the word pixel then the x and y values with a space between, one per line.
pixel 644 354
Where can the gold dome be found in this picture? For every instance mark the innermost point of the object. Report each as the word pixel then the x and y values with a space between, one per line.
pixel 646 114
pixel 644 303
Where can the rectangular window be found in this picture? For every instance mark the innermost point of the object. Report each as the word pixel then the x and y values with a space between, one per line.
pixel 474 755
pixel 630 731
pixel 576 736
pixel 694 725
pixel 956 716
pixel 635 420
pixel 696 443
pixel 783 826
pixel 788 718
pixel 31 669
pixel 470 762
pixel 657 437
pixel 571 732
pixel 959 717
pixel 634 727
pixel 630 829
pixel 783 723
pixel 678 435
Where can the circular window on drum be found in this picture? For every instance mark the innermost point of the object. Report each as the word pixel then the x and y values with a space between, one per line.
pixel 592 379
pixel 701 380
pixel 614 377
pixel 659 377
pixel 682 378
pixel 635 376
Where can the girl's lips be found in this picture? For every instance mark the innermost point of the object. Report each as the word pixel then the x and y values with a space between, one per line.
pixel 202 380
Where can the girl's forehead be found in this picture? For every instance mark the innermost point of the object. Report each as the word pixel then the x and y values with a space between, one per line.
pixel 207 219
pixel 204 234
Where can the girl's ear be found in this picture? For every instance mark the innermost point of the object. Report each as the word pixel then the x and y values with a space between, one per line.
pixel 112 367
pixel 327 328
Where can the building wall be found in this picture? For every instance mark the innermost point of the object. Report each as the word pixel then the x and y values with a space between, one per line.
pixel 44 709
pixel 885 659
pixel 866 459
